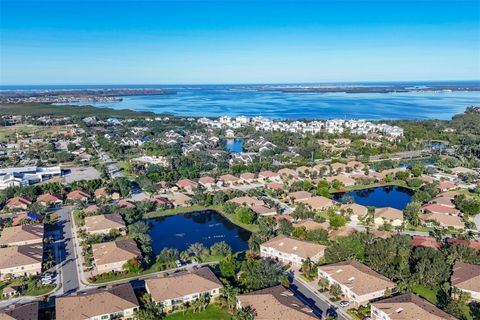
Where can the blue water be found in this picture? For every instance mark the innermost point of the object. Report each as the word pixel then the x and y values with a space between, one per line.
pixel 390 196
pixel 234 145
pixel 207 227
pixel 280 105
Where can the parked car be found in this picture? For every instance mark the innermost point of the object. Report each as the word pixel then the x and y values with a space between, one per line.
pixel 344 304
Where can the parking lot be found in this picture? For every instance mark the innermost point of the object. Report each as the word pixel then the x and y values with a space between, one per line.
pixel 81 173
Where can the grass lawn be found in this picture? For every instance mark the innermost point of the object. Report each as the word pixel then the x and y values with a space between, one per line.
pixel 212 312
pixel 426 293
pixel 31 287
pixel 26 129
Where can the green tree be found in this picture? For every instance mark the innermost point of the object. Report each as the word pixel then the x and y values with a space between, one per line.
pixel 337 221
pixel 258 274
pixel 228 267
pixel 411 213
pixel 335 292
pixel 221 249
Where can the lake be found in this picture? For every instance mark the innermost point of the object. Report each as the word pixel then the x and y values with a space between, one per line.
pixel 234 145
pixel 215 102
pixel 388 196
pixel 207 227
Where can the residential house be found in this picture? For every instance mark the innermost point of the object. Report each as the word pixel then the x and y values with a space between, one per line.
pixel 207 182
pixel 126 204
pixel 247 201
pixel 288 173
pixel 440 209
pixel 474 244
pixel 444 220
pixel 275 186
pixel 180 200
pixel 176 289
pixel 466 278
pixel 425 241
pixel 344 180
pixel 299 196
pixel 104 223
pixel 21 203
pixel 275 303
pixel 28 311
pixel 447 186
pixel 19 261
pixel 26 216
pixel 50 200
pixel 291 250
pixel 268 175
pixel 311 225
pixel 112 302
pixel 111 256
pixel 388 215
pixel 264 210
pixel 228 179
pixel 22 235
pixel 359 283
pixel 247 177
pixel 78 195
pixel 318 203
pixel 354 210
pixel 407 306
pixel 187 185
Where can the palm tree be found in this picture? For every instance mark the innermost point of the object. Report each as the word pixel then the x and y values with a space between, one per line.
pixel 229 293
pixel 307 266
pixel 244 314
pixel 197 249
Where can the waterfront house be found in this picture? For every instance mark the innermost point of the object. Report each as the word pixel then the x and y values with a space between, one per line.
pixel 466 278
pixel 21 203
pixel 264 210
pixel 104 223
pixel 354 210
pixel 112 302
pixel 19 261
pixel 359 283
pixel 344 180
pixel 22 235
pixel 180 200
pixel 440 209
pixel 176 289
pixel 388 215
pixel 247 201
pixel 112 256
pixel 311 225
pixel 289 250
pixel 275 303
pixel 406 306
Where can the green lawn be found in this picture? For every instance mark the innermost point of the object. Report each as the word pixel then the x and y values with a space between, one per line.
pixel 212 312
pixel 400 183
pixel 426 293
pixel 32 288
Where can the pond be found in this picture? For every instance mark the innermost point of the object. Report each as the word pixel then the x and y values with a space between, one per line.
pixel 388 196
pixel 234 145
pixel 207 227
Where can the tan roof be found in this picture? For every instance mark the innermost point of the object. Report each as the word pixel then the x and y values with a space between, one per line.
pixel 28 311
pixel 249 201
pixel 287 172
pixel 180 198
pixel 439 208
pixel 304 169
pixel 20 255
pixel 101 192
pixel 268 174
pixel 276 303
pixel 357 209
pixel 26 232
pixel 388 213
pixel 318 202
pixel 181 284
pixel 444 201
pixel 183 183
pixel 228 178
pixel 341 232
pixel 338 166
pixel 49 197
pixel 298 195
pixel 355 165
pixel 444 219
pixel 78 194
pixel 263 210
pixel 341 178
pixel 290 245
pixel 115 251
pixel 206 180
pixel 311 225
pixel 95 303
pixel 359 278
pixel 466 276
pixel 410 307
pixel 448 194
pixel 247 176
pixel 91 209
pixel 19 201
pixel 104 221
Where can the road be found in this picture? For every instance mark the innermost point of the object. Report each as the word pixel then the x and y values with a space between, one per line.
pixel 111 165
pixel 68 260
pixel 320 305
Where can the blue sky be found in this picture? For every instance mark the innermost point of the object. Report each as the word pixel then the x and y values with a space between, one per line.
pixel 179 42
